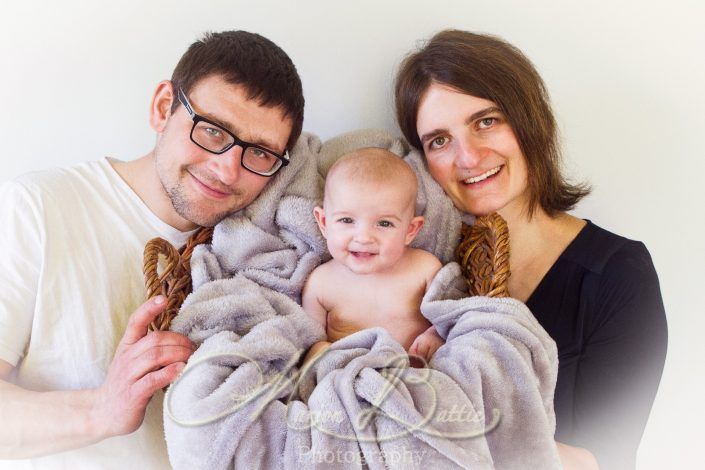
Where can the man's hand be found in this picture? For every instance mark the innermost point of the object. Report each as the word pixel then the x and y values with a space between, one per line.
pixel 426 344
pixel 143 363
pixel 40 423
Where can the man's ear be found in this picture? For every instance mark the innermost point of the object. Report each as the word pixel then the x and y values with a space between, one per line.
pixel 160 109
pixel 320 219
pixel 413 229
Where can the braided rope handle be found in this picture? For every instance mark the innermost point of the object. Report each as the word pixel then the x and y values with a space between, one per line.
pixel 483 255
pixel 174 282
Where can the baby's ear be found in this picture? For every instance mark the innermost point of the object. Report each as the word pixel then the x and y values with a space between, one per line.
pixel 320 219
pixel 413 230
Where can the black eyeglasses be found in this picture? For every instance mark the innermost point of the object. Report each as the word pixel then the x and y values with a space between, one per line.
pixel 216 139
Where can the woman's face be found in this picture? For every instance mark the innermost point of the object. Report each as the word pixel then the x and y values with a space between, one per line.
pixel 472 152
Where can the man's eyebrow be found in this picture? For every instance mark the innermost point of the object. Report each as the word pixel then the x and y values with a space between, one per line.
pixel 473 117
pixel 230 128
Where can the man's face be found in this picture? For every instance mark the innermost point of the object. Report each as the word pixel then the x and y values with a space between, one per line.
pixel 204 187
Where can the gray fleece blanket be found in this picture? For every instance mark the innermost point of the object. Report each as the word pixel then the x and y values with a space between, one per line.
pixel 485 400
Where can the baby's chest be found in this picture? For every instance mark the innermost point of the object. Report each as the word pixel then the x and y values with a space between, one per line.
pixel 373 300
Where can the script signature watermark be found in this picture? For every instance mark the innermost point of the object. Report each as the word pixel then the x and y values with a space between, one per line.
pixel 451 421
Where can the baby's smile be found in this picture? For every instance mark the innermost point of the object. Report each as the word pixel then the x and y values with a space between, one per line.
pixel 362 254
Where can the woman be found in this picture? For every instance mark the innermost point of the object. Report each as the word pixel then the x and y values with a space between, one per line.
pixel 477 108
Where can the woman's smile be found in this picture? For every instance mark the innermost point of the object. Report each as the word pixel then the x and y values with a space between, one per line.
pixel 476 181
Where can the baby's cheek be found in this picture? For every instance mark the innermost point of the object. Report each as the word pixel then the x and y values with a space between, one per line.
pixel 337 250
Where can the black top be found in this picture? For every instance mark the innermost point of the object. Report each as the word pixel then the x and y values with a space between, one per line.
pixel 602 305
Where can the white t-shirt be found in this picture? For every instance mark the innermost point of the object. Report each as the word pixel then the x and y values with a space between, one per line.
pixel 71 247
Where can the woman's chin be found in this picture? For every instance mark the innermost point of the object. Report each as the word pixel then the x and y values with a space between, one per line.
pixel 478 210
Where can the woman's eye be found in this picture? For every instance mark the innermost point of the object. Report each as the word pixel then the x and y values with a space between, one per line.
pixel 438 142
pixel 345 220
pixel 385 223
pixel 486 122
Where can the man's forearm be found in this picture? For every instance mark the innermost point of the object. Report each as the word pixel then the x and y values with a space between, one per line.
pixel 38 423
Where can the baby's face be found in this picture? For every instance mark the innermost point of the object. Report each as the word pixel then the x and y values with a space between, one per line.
pixel 368 226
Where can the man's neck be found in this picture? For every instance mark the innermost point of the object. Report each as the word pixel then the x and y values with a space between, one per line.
pixel 141 175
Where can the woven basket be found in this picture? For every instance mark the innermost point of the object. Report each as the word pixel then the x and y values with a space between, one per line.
pixel 174 282
pixel 483 254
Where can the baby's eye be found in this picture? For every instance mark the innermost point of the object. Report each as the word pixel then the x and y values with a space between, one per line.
pixel 345 220
pixel 385 223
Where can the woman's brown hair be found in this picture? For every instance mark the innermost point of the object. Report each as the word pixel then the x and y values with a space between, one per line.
pixel 488 67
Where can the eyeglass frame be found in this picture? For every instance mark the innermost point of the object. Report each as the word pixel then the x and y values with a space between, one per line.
pixel 196 118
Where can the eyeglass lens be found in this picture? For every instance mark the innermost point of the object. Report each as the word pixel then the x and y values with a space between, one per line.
pixel 215 139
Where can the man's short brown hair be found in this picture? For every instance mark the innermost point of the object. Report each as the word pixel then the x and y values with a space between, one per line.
pixel 488 67
pixel 264 70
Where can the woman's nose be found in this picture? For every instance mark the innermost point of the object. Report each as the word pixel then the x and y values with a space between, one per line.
pixel 469 152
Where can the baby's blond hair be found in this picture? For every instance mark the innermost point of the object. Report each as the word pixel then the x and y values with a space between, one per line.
pixel 372 165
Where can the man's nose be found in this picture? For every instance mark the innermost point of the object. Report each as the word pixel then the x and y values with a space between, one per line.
pixel 227 166
pixel 469 152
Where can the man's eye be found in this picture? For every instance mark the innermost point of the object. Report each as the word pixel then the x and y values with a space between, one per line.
pixel 258 152
pixel 486 122
pixel 385 223
pixel 345 220
pixel 213 131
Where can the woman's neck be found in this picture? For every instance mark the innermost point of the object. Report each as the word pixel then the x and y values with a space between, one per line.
pixel 535 244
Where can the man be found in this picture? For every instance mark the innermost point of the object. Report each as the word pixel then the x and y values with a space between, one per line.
pixel 77 366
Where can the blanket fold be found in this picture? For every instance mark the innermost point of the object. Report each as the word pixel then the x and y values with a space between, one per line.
pixel 485 400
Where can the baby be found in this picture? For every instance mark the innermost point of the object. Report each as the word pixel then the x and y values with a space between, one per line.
pixel 374 278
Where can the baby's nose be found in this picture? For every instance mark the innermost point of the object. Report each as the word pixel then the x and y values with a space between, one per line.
pixel 363 235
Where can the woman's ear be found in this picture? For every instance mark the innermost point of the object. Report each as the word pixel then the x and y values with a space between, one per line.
pixel 160 109
pixel 413 229
pixel 320 219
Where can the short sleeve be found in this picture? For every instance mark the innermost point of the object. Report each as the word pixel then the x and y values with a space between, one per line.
pixel 21 248
pixel 623 358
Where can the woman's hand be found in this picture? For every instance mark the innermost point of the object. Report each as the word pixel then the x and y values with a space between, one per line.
pixel 576 458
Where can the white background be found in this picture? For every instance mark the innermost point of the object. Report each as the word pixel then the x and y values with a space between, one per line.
pixel 627 81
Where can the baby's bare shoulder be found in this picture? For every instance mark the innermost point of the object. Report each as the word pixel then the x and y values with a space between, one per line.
pixel 323 279
pixel 425 263
pixel 425 259
pixel 321 270
pixel 316 278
